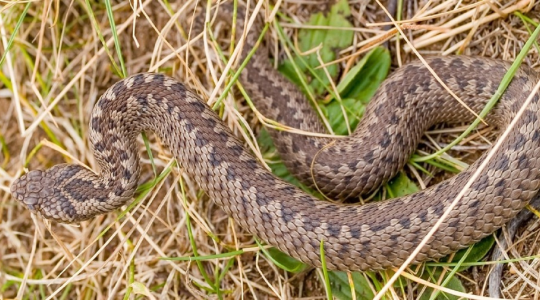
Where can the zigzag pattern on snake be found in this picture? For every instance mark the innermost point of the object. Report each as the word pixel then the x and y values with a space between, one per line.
pixel 369 237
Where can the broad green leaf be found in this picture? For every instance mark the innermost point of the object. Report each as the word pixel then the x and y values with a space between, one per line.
pixel 285 261
pixel 453 284
pixel 363 80
pixel 354 109
pixel 339 282
pixel 401 185
pixel 327 41
pixel 356 89
pixel 477 253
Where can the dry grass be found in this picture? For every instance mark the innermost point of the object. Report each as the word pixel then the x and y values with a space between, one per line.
pixel 57 68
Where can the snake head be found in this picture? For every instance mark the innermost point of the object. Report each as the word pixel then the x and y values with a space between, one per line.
pixel 69 193
pixel 39 192
pixel 32 188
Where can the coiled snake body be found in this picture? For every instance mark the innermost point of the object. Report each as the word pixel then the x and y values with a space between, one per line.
pixel 369 237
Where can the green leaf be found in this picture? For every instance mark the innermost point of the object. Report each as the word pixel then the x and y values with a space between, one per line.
pixel 354 110
pixel 472 254
pixel 327 41
pixel 339 282
pixel 284 261
pixel 356 89
pixel 453 284
pixel 401 185
pixel 363 80
pixel 476 254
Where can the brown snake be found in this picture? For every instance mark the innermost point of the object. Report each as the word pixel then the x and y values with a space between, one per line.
pixel 369 237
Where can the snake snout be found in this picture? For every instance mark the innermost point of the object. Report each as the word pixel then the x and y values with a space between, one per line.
pixel 31 189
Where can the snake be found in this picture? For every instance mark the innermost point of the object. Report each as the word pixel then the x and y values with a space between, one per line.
pixel 374 236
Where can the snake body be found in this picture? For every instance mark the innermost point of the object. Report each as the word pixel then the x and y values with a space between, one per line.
pixel 368 237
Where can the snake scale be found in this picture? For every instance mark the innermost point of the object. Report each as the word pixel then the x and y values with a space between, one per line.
pixel 368 237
